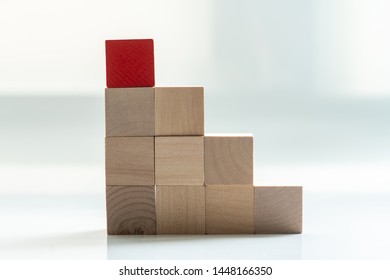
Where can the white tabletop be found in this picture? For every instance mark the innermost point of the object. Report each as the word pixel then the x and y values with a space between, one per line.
pixel 72 225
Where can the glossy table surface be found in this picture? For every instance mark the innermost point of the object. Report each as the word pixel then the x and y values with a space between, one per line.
pixel 342 225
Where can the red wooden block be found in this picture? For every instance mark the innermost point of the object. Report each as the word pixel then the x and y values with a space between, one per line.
pixel 129 63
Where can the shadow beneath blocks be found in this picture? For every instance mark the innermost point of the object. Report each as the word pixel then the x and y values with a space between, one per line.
pixel 46 246
pixel 199 247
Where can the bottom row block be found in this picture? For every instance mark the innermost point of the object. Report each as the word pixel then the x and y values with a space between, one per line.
pixel 199 210
pixel 278 210
pixel 230 209
pixel 131 210
pixel 180 209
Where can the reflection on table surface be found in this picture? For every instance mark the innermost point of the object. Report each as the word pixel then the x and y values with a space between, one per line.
pixel 336 226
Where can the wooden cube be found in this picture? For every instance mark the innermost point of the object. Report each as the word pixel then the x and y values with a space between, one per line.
pixel 179 160
pixel 229 209
pixel 130 63
pixel 278 210
pixel 131 210
pixel 180 209
pixel 228 159
pixel 129 161
pixel 179 111
pixel 129 111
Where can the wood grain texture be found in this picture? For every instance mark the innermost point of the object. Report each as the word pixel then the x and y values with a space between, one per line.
pixel 228 160
pixel 129 111
pixel 278 210
pixel 131 210
pixel 179 111
pixel 230 209
pixel 130 63
pixel 179 160
pixel 130 161
pixel 180 209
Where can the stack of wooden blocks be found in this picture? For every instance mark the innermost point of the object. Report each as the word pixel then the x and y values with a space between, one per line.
pixel 164 175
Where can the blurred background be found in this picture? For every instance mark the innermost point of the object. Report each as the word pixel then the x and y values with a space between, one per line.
pixel 310 79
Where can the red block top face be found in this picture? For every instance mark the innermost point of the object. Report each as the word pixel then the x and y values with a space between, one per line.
pixel 130 63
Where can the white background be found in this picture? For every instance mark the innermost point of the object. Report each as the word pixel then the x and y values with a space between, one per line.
pixel 302 47
pixel 308 78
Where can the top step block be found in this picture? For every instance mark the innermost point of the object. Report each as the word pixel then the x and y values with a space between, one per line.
pixel 130 63
pixel 179 111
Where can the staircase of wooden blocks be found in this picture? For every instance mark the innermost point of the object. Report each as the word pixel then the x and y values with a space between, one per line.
pixel 164 175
